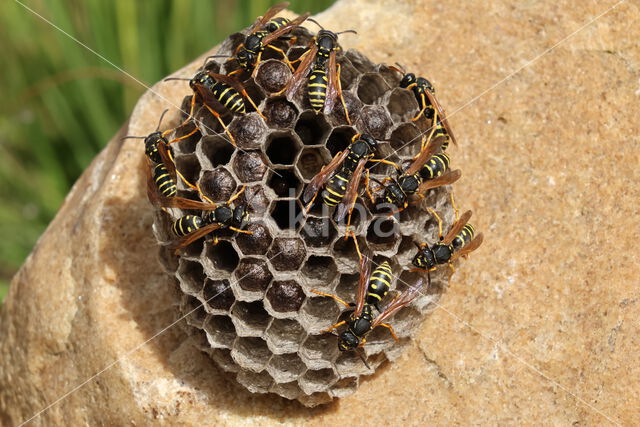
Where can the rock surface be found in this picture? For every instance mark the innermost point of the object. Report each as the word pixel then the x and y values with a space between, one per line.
pixel 540 323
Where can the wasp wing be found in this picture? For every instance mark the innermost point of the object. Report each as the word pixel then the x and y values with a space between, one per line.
pixel 457 227
pixel 323 176
pixel 299 77
pixel 332 83
pixel 192 237
pixel 470 247
pixel 284 30
pixel 441 115
pixel 363 282
pixel 449 177
pixel 352 192
pixel 424 155
pixel 404 299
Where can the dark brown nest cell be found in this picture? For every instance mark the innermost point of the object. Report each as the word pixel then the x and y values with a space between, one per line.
pixel 250 295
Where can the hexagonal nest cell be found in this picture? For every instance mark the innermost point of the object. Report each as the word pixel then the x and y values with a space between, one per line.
pixel 251 296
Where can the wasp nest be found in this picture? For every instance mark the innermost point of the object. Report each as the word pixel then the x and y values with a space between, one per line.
pixel 249 297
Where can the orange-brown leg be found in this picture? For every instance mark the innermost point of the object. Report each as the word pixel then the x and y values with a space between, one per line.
pixel 344 104
pixel 335 297
pixel 226 129
pixel 393 333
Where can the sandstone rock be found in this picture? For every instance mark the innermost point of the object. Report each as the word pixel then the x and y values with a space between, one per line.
pixel 539 324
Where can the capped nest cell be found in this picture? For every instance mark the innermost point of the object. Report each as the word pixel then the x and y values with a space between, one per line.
pixel 249 296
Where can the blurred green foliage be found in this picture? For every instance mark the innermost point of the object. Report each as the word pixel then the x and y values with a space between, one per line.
pixel 61 103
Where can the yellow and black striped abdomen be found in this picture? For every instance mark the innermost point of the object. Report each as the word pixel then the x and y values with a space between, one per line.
pixel 464 237
pixel 379 283
pixel 441 131
pixel 335 188
pixel 164 182
pixel 187 224
pixel 276 24
pixel 317 89
pixel 436 166
pixel 229 97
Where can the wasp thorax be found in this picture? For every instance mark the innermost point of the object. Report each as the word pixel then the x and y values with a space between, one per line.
pixel 442 253
pixel 425 84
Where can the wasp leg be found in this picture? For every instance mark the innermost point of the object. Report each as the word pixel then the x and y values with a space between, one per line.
pixel 398 210
pixel 235 196
pixel 355 241
pixel 234 72
pixel 367 189
pixel 422 270
pixel 246 95
pixel 335 297
pixel 424 107
pixel 455 207
pixel 344 104
pixel 440 235
pixel 190 185
pixel 337 325
pixel 190 116
pixel 284 56
pixel 313 199
pixel 393 333
pixel 226 129
pixel 182 137
pixel 238 230
pixel 386 162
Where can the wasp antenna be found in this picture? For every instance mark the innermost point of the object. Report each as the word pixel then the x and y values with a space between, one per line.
pixel 400 67
pixel 175 78
pixel 212 57
pixel 132 137
pixel 315 22
pixel 362 357
pixel 348 31
pixel 161 117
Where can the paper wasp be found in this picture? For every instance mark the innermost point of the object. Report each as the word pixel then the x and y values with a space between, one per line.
pixel 225 90
pixel 261 34
pixel 425 94
pixel 371 288
pixel 190 228
pixel 419 176
pixel 341 177
pixel 319 64
pixel 458 242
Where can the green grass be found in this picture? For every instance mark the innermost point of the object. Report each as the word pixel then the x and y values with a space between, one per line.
pixel 62 103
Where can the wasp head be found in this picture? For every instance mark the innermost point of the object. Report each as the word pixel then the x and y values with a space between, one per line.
pixel 241 216
pixel 200 79
pixel 408 79
pixel 326 40
pixel 245 59
pixel 425 258
pixel 151 146
pixel 347 341
pixel 371 142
